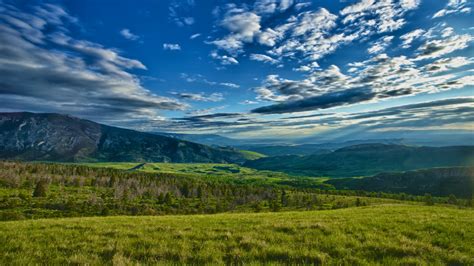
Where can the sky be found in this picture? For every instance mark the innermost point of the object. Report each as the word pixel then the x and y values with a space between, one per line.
pixel 288 69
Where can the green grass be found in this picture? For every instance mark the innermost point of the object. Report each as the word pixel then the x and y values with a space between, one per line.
pixel 251 155
pixel 220 172
pixel 384 235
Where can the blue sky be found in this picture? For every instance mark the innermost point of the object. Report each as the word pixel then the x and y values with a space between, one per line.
pixel 246 69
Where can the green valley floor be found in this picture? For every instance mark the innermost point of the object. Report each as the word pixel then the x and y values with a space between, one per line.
pixel 384 234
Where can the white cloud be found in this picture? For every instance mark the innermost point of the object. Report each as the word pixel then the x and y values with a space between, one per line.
pixel 380 45
pixel 446 64
pixel 439 47
pixel 200 97
pixel 377 16
pixel 248 102
pixel 272 6
pixel 453 7
pixel 201 79
pixel 306 68
pixel 179 12
pixel 408 38
pixel 243 28
pixel 230 85
pixel 309 35
pixel 194 36
pixel 127 34
pixel 78 76
pixel 171 46
pixel 378 78
pixel 224 59
pixel 263 58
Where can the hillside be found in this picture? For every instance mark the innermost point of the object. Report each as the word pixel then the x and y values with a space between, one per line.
pixel 368 159
pixel 385 235
pixel 55 137
pixel 458 181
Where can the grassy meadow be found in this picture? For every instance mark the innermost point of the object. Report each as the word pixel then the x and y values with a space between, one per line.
pixel 384 235
pixel 161 213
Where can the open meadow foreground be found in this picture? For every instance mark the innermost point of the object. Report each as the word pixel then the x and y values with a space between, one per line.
pixel 237 132
pixel 386 235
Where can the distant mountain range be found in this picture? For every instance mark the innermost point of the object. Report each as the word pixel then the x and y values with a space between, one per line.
pixel 368 159
pixel 318 145
pixel 55 137
pixel 308 149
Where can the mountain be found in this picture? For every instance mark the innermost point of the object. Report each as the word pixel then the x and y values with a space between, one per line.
pixel 218 140
pixel 368 159
pixel 56 137
pixel 425 137
pixel 206 139
pixel 458 181
pixel 308 149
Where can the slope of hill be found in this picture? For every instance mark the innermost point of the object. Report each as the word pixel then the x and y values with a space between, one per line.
pixel 458 181
pixel 368 159
pixel 55 137
pixel 375 235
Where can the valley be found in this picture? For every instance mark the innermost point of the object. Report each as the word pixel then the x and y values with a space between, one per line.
pixel 76 192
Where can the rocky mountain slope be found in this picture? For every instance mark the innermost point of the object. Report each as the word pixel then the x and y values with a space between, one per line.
pixel 55 137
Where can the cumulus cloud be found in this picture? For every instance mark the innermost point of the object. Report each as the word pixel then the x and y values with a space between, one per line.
pixel 127 34
pixel 79 77
pixel 171 46
pixel 243 27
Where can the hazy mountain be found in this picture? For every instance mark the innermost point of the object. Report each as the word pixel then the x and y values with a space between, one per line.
pixel 368 159
pixel 207 139
pixel 458 181
pixel 218 140
pixel 55 137
pixel 308 149
pixel 435 138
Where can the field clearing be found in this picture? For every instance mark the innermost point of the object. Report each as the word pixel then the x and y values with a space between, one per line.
pixel 384 234
pixel 215 171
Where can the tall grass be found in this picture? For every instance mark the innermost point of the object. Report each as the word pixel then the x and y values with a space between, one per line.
pixel 385 234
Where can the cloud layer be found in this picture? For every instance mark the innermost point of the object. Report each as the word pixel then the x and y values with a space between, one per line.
pixel 79 76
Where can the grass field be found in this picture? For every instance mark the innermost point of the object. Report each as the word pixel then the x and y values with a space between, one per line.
pixel 219 172
pixel 385 235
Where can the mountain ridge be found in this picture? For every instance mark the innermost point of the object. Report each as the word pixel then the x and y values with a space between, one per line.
pixel 58 137
pixel 368 159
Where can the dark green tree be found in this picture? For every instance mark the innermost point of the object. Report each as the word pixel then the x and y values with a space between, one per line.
pixel 452 199
pixel 428 199
pixel 41 188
